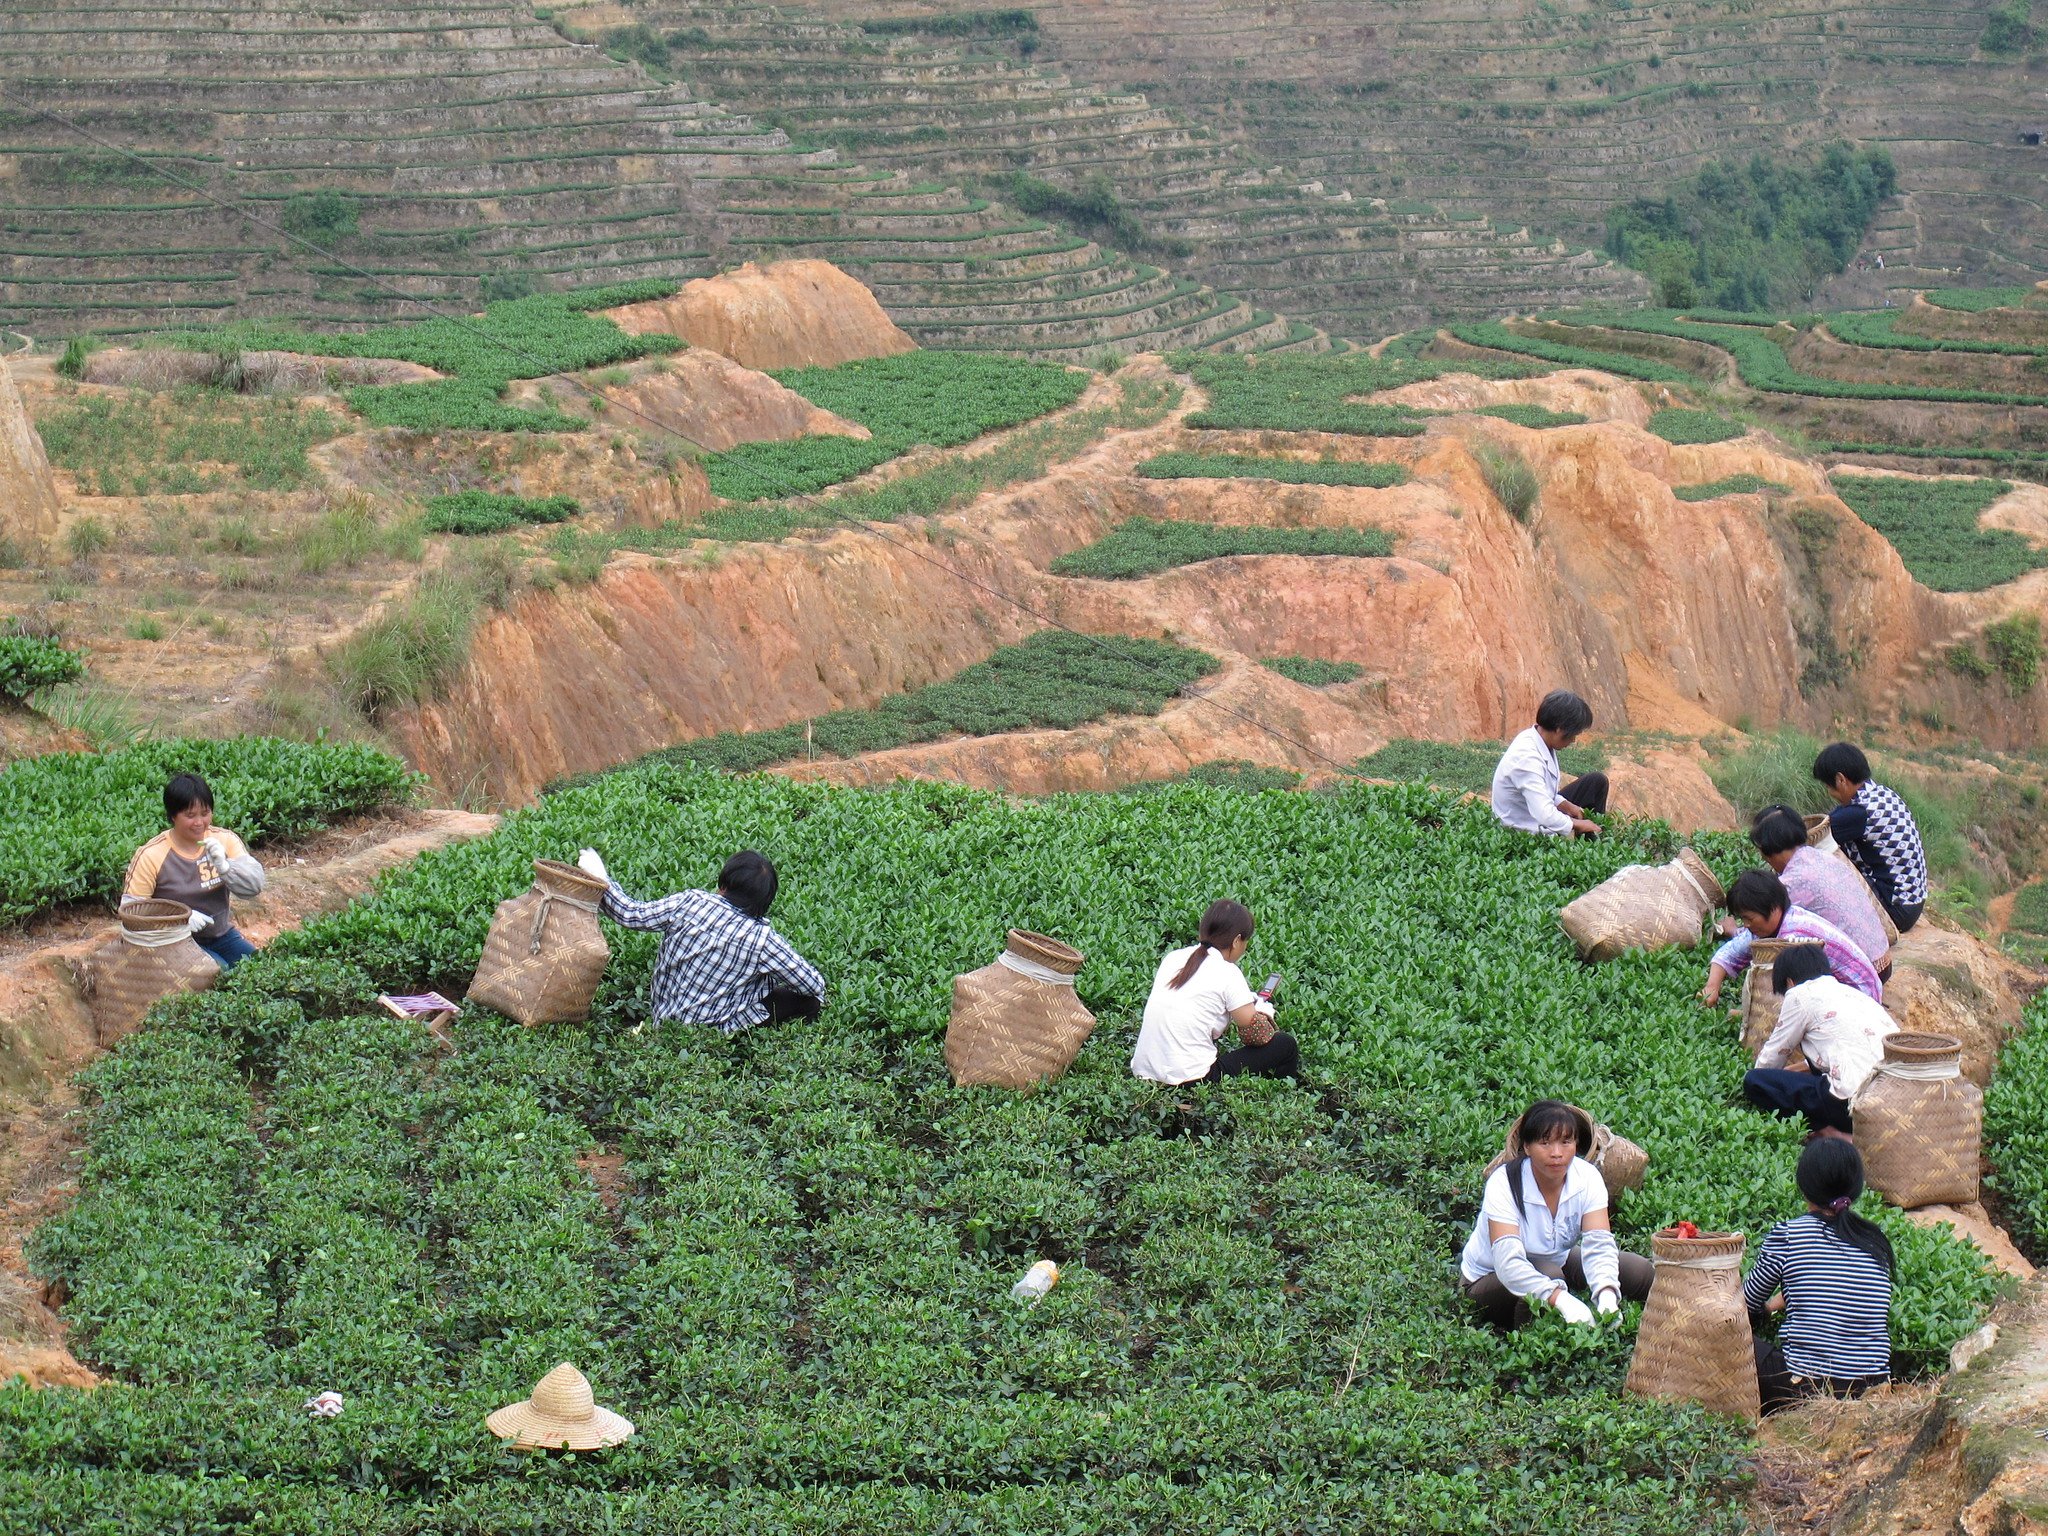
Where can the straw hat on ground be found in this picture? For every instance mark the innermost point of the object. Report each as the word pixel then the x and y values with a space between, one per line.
pixel 560 1416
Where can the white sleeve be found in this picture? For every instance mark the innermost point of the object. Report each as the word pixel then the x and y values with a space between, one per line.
pixel 1533 785
pixel 243 876
pixel 1600 1257
pixel 1235 989
pixel 1510 1259
pixel 1790 1030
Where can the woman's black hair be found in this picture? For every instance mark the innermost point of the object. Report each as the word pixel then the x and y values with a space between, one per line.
pixel 183 792
pixel 1546 1120
pixel 1563 710
pixel 749 882
pixel 1225 922
pixel 1777 829
pixel 1830 1175
pixel 1843 758
pixel 1758 893
pixel 1799 964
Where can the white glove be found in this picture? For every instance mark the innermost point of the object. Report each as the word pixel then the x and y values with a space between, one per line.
pixel 1574 1310
pixel 214 851
pixel 1263 1005
pixel 593 866
pixel 196 921
pixel 1608 1302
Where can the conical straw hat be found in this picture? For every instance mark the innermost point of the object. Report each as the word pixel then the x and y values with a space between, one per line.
pixel 561 1415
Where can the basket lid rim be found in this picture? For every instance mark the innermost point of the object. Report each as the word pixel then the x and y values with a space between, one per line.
pixel 1045 949
pixel 1913 1043
pixel 1705 1243
pixel 153 912
pixel 568 874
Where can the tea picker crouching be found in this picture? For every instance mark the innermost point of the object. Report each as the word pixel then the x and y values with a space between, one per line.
pixel 199 865
pixel 1198 994
pixel 1528 794
pixel 1759 902
pixel 1840 1032
pixel 720 963
pixel 1544 1232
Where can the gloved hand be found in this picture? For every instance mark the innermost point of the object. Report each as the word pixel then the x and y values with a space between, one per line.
pixel 196 921
pixel 593 866
pixel 213 850
pixel 1608 1302
pixel 1264 1006
pixel 1574 1310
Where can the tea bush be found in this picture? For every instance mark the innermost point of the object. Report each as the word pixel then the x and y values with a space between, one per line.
pixel 2016 1122
pixel 1497 337
pixel 1533 415
pixel 1683 426
pixel 29 662
pixel 185 441
pixel 476 512
pixel 1733 485
pixel 1144 546
pixel 1460 765
pixel 1878 328
pixel 1311 392
pixel 69 821
pixel 1933 525
pixel 1313 671
pixel 1246 466
pixel 1974 301
pixel 801 1298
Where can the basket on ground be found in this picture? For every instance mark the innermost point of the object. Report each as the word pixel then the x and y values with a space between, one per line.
pixel 1621 1162
pixel 150 957
pixel 1919 1123
pixel 1644 906
pixel 545 953
pixel 1017 1022
pixel 1694 1345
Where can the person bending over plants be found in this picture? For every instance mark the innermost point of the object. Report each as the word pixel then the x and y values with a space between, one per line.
pixel 1527 794
pixel 1839 1031
pixel 1876 830
pixel 1197 994
pixel 1543 1230
pixel 1830 1273
pixel 199 864
pixel 1759 902
pixel 720 963
pixel 1819 882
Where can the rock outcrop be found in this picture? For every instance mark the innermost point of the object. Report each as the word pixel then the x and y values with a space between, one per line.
pixel 28 495
pixel 788 314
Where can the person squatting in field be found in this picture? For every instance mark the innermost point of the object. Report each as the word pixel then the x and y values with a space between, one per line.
pixel 1759 901
pixel 1823 883
pixel 200 865
pixel 1840 1033
pixel 1544 1232
pixel 720 962
pixel 1527 793
pixel 1197 994
pixel 1830 1273
pixel 1877 831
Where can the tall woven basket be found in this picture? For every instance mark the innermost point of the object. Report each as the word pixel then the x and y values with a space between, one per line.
pixel 1818 833
pixel 1621 1162
pixel 1919 1123
pixel 152 956
pixel 1760 1001
pixel 1645 906
pixel 545 953
pixel 1694 1343
pixel 1017 1022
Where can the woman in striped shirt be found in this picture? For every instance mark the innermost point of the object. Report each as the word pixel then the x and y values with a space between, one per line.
pixel 1830 1273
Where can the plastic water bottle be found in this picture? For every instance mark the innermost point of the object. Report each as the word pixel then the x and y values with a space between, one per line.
pixel 1039 1279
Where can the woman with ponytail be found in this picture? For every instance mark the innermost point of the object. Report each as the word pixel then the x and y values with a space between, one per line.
pixel 1830 1273
pixel 1199 993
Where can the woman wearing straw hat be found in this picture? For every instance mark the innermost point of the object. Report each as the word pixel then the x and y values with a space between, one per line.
pixel 1830 1273
pixel 1543 1229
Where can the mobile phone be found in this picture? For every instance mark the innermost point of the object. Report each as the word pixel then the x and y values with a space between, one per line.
pixel 1272 985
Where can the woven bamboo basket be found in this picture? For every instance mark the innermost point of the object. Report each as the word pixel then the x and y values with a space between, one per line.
pixel 152 956
pixel 1694 1345
pixel 1919 1123
pixel 1760 1001
pixel 1819 836
pixel 1645 906
pixel 1621 1162
pixel 545 953
pixel 1017 1022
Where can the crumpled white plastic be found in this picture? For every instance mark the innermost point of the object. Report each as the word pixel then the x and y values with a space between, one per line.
pixel 324 1405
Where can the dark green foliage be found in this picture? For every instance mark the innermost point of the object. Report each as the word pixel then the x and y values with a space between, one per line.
pixel 320 217
pixel 1143 546
pixel 940 398
pixel 1974 301
pixel 29 662
pixel 495 512
pixel 1053 680
pixel 991 23
pixel 2030 915
pixel 1756 236
pixel 72 364
pixel 1499 338
pixel 613 295
pixel 2016 1109
pixel 1733 485
pixel 2010 28
pixel 641 45
pixel 2013 647
pixel 1533 415
pixel 1933 525
pixel 1878 328
pixel 1466 766
pixel 70 821
pixel 1245 466
pixel 1313 671
pixel 1292 392
pixel 1682 426
pixel 1092 207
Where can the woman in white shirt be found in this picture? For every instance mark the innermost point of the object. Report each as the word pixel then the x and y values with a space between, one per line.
pixel 1839 1031
pixel 1543 1230
pixel 1199 993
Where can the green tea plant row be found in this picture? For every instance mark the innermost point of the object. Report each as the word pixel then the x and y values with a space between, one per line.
pixel 1878 328
pixel 942 399
pixel 1248 466
pixel 1933 525
pixel 2016 1124
pixel 1676 425
pixel 2021 459
pixel 185 441
pixel 1051 680
pixel 479 512
pixel 1496 337
pixel 1314 671
pixel 1291 392
pixel 1974 301
pixel 1733 485
pixel 29 662
pixel 69 821
pixel 1533 416
pixel 1145 546
pixel 801 1298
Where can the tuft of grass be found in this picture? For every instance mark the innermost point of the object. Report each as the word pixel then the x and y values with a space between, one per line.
pixel 145 628
pixel 1313 671
pixel 1675 425
pixel 1143 546
pixel 404 656
pixel 1509 477
pixel 105 718
pixel 352 532
pixel 88 537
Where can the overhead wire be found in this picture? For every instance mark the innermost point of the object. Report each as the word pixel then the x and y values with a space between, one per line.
pixel 546 368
